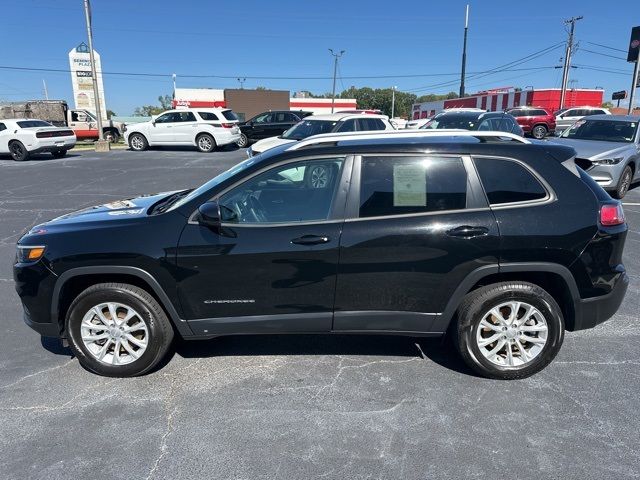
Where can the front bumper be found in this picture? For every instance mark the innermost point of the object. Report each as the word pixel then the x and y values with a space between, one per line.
pixel 34 283
pixel 589 312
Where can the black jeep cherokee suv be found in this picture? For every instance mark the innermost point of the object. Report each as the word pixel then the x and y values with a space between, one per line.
pixel 500 243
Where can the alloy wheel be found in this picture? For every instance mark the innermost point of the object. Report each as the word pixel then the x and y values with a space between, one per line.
pixel 205 143
pixel 243 141
pixel 319 177
pixel 137 142
pixel 625 183
pixel 512 334
pixel 114 333
pixel 539 132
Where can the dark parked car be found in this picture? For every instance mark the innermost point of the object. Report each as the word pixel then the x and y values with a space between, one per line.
pixel 474 120
pixel 536 122
pixel 269 124
pixel 387 233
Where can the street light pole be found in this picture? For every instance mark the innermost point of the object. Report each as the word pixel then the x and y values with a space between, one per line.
pixel 567 58
pixel 464 52
pixel 335 71
pixel 94 75
pixel 634 85
pixel 393 100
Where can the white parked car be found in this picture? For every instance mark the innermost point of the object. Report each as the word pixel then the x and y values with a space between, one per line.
pixel 317 124
pixel 204 128
pixel 22 137
pixel 568 116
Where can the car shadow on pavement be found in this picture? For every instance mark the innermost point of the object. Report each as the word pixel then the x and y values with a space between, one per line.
pixel 40 157
pixel 437 350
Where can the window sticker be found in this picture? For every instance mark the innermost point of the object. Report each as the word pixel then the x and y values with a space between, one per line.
pixel 409 186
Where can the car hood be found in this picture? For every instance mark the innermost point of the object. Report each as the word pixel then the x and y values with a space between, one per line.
pixel 592 149
pixel 267 143
pixel 119 210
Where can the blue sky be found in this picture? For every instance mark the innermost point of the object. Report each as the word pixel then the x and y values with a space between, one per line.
pixel 283 38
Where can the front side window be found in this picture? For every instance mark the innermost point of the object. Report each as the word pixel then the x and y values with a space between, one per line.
pixel 167 118
pixel 295 192
pixel 263 118
pixel 404 185
pixel 506 181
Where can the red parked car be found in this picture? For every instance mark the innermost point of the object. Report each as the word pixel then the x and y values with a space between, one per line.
pixel 534 121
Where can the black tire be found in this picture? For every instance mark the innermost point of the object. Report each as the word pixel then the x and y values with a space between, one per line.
pixel 111 136
pixel 206 143
pixel 160 331
pixel 539 132
pixel 59 153
pixel 18 151
pixel 138 142
pixel 243 142
pixel 624 183
pixel 478 303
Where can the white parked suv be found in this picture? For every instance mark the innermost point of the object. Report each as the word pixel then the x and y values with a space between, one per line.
pixel 568 116
pixel 22 137
pixel 317 124
pixel 204 128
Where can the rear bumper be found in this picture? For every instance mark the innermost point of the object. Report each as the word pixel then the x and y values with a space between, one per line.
pixel 592 311
pixel 52 145
pixel 225 138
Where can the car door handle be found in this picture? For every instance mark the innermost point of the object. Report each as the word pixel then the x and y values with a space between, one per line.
pixel 467 231
pixel 310 240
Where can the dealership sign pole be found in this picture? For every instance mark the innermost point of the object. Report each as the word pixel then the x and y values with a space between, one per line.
pixel 96 94
pixel 632 56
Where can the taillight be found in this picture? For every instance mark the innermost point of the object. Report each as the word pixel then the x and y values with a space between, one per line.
pixel 611 215
pixel 227 125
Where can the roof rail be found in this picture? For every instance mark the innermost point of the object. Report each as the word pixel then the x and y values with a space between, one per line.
pixel 378 134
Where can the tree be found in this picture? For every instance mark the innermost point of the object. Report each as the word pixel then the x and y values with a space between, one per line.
pixel 607 105
pixel 380 99
pixel 150 110
pixel 111 113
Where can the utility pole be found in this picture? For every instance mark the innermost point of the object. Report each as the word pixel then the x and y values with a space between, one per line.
pixel 46 93
pixel 567 58
pixel 242 80
pixel 335 71
pixel 393 100
pixel 174 86
pixel 464 52
pixel 100 145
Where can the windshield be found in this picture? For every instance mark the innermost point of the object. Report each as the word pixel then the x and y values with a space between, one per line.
pixel 453 121
pixel 214 181
pixel 307 128
pixel 33 124
pixel 602 130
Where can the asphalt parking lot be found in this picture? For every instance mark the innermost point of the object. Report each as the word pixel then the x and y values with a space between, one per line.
pixel 289 407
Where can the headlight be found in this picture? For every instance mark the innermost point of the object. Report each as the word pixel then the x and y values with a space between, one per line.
pixel 29 253
pixel 607 161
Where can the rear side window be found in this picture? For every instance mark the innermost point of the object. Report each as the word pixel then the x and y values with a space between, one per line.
pixel 229 115
pixel 208 116
pixel 404 185
pixel 347 126
pixel 2 127
pixel 506 181
pixel 367 124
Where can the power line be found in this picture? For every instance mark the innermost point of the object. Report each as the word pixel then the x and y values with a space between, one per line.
pixel 602 54
pixel 605 46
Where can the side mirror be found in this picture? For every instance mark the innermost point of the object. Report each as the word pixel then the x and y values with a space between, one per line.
pixel 209 214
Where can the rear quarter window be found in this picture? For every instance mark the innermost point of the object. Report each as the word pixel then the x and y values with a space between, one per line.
pixel 507 181
pixel 229 115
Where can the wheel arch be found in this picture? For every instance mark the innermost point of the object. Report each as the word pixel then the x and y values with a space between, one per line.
pixel 73 281
pixel 556 279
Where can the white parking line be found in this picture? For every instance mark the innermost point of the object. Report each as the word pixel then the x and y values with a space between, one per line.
pixel 627 203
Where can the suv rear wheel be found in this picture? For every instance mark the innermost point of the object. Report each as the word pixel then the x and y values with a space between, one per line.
pixel 206 143
pixel 509 330
pixel 118 330
pixel 539 132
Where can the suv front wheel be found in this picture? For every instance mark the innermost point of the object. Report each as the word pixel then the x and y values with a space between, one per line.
pixel 118 330
pixel 509 330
